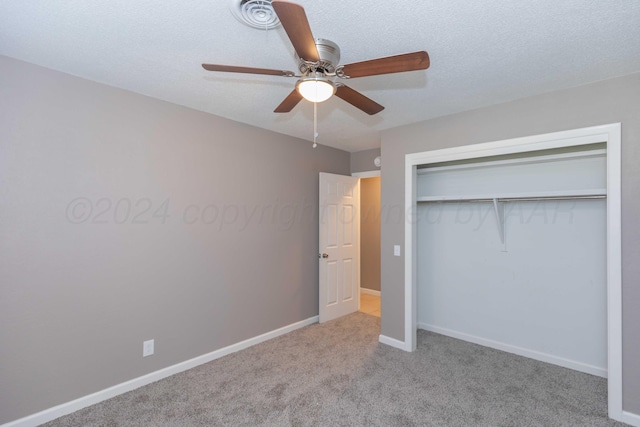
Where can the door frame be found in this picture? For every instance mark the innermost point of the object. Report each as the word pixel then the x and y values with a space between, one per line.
pixel 367 174
pixel 611 135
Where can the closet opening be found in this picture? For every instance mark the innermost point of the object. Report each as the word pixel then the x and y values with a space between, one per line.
pixel 512 254
pixel 516 245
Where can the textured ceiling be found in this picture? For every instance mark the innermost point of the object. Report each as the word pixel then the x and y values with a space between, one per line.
pixel 482 52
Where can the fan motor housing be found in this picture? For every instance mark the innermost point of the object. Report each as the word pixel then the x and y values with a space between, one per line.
pixel 329 54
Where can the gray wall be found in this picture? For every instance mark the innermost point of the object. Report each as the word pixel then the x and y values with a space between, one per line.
pixel 362 161
pixel 370 233
pixel 78 299
pixel 616 100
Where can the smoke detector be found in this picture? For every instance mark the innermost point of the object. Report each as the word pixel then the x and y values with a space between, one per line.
pixel 255 13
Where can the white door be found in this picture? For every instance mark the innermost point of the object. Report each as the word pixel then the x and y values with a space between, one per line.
pixel 339 245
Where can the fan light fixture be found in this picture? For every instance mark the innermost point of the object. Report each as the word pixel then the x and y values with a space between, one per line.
pixel 318 59
pixel 316 89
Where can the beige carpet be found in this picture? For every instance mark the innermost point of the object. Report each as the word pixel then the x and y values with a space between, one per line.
pixel 337 374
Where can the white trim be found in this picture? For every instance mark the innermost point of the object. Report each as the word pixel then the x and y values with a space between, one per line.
pixel 630 418
pixel 369 291
pixel 554 193
pixel 368 174
pixel 532 354
pixel 549 141
pixel 97 397
pixel 614 270
pixel 392 342
pixel 411 264
pixel 611 135
pixel 521 161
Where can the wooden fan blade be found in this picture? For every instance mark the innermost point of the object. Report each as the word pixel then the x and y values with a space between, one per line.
pixel 358 100
pixel 249 70
pixel 295 23
pixel 390 64
pixel 289 102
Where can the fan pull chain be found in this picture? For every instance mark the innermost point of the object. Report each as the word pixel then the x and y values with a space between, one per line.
pixel 315 124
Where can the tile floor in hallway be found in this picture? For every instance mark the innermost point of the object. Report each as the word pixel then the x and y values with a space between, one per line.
pixel 370 304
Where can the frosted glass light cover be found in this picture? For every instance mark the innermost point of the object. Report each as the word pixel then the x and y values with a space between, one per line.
pixel 316 90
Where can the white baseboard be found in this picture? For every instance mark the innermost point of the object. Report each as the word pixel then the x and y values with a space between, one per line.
pixel 392 342
pixel 630 418
pixel 532 354
pixel 369 292
pixel 91 399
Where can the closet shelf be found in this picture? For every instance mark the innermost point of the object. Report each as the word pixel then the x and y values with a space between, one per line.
pixel 598 193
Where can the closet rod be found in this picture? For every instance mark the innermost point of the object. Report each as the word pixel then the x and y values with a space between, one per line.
pixel 515 199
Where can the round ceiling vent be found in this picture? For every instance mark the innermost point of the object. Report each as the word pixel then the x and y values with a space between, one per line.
pixel 255 13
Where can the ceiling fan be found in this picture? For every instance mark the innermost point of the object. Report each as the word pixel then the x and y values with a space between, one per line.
pixel 318 65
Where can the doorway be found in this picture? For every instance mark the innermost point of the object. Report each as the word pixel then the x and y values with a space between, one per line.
pixel 347 252
pixel 370 216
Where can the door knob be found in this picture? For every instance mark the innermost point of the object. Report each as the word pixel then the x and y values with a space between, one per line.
pixel 323 255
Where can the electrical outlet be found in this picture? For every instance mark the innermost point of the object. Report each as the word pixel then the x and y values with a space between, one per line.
pixel 147 348
pixel 396 250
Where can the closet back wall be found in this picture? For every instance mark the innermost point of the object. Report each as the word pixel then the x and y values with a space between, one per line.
pixel 545 294
pixel 526 275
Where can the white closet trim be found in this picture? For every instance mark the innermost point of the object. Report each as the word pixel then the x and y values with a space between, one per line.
pixel 609 134
pixel 507 197
pixel 522 161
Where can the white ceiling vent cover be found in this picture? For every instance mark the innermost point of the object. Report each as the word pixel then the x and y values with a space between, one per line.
pixel 255 13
